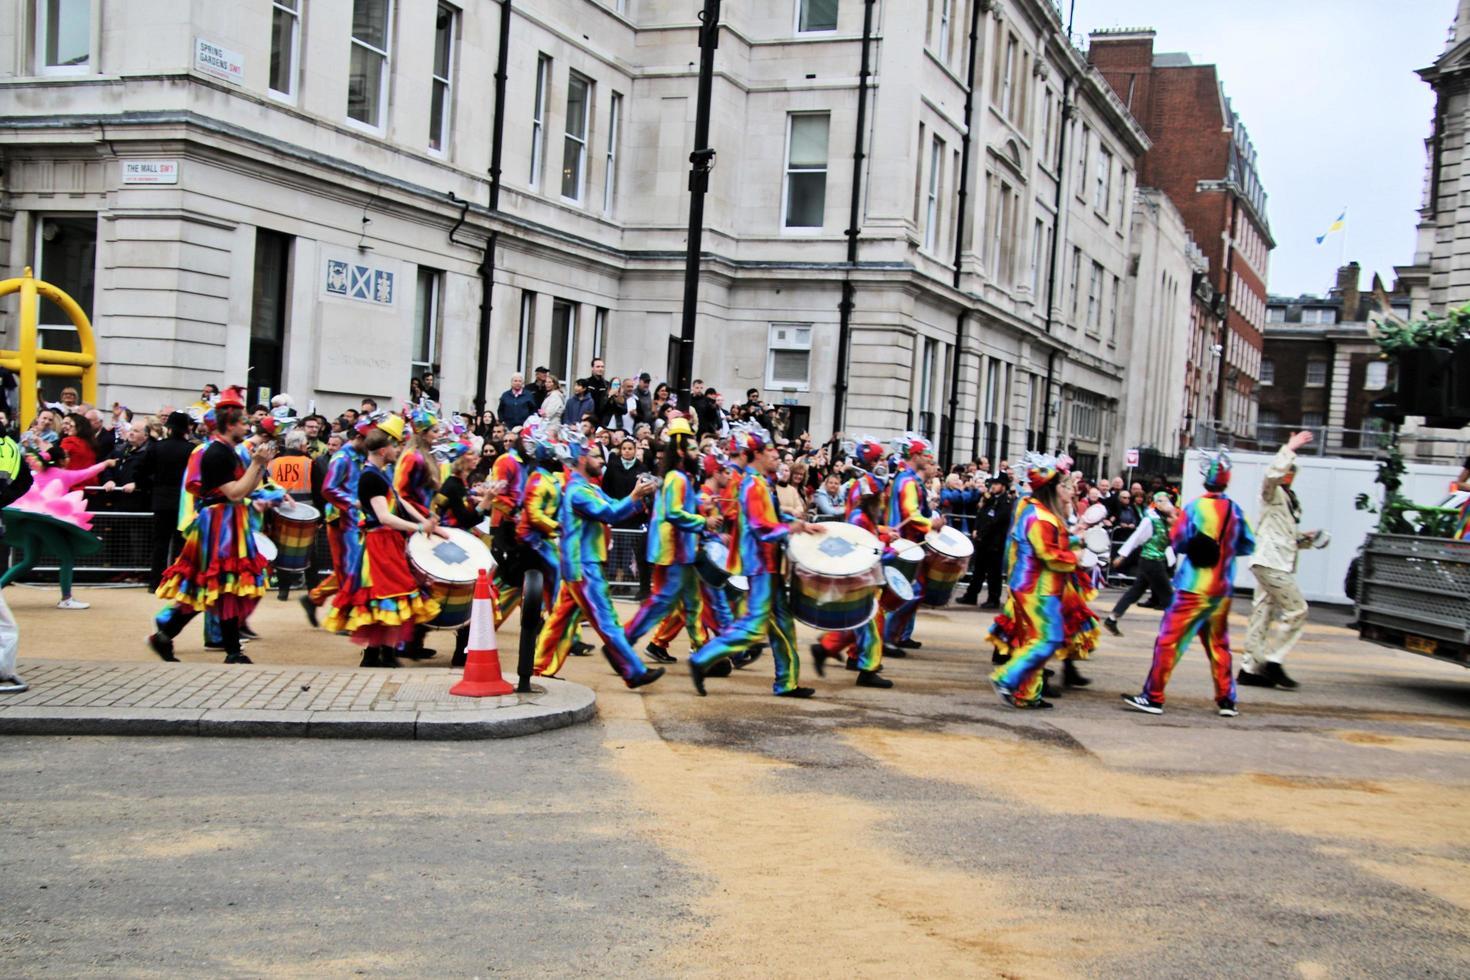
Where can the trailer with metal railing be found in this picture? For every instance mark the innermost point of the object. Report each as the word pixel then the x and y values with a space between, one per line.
pixel 1413 593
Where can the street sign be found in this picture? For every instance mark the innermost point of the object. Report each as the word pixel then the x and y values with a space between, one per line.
pixel 150 172
pixel 1130 458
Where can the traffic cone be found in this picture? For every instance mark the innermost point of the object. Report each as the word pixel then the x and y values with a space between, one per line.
pixel 482 677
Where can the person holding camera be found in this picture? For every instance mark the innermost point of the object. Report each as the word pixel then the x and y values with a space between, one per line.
pixel 992 524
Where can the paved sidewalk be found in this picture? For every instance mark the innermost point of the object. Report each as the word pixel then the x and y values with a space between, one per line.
pixel 100 698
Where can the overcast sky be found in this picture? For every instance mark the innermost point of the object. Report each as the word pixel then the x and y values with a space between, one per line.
pixel 1327 90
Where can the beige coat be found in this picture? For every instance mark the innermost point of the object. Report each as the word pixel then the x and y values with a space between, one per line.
pixel 1278 537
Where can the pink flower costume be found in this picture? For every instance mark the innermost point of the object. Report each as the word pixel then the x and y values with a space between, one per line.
pixel 51 518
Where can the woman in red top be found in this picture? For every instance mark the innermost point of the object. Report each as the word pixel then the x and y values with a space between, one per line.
pixel 76 441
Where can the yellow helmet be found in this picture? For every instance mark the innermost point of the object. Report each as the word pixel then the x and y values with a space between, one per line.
pixel 679 427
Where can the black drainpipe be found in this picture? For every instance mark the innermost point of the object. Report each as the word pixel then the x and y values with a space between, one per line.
pixel 487 259
pixel 1056 245
pixel 844 308
pixel 959 230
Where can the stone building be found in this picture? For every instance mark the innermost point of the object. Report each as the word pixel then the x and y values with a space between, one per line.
pixel 297 194
pixel 1203 159
pixel 1441 268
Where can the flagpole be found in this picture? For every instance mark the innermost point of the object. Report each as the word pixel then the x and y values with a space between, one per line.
pixel 1342 252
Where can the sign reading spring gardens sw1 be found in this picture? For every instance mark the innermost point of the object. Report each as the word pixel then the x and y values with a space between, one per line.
pixel 220 62
pixel 150 171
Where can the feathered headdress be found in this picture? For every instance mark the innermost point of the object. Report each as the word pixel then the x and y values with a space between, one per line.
pixel 1042 468
pixel 911 444
pixel 1215 467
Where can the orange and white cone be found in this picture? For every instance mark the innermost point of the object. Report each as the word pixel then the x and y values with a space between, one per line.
pixel 482 677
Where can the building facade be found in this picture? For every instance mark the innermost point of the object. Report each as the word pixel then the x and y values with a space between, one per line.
pixel 1441 268
pixel 297 195
pixel 1203 159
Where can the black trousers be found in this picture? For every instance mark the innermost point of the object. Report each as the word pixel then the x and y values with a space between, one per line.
pixel 166 544
pixel 1153 574
pixel 988 569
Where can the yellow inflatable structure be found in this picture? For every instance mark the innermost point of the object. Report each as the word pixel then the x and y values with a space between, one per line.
pixel 30 363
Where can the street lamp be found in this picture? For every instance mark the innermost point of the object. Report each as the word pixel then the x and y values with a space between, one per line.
pixel 702 161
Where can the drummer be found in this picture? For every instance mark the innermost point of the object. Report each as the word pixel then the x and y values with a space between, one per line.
pixel 716 609
pixel 457 507
pixel 381 602
pixel 416 479
pixel 755 553
pixel 867 454
pixel 867 640
pixel 673 544
pixel 584 515
pixel 344 536
pixel 508 475
pixel 910 515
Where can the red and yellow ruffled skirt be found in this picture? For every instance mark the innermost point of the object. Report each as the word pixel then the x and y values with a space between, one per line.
pixel 383 601
pixel 218 569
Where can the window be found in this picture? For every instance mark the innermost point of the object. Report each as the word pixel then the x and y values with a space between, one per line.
pixel 610 175
pixel 1275 314
pixel 1094 297
pixel 1008 80
pixel 426 320
pixel 439 102
pixel 268 309
pixel 367 75
pixel 1083 149
pixel 574 147
pixel 946 14
pixel 806 170
pixel 927 364
pixel 527 338
pixel 1043 145
pixel 1076 285
pixel 1316 373
pixel 1113 312
pixel 1375 375
pixel 1037 244
pixel 1102 193
pixel 816 15
pixel 788 359
pixel 1268 372
pixel 63 36
pixel 931 205
pixel 1326 315
pixel 285 47
pixel 1267 422
pixel 563 339
pixel 538 119
pixel 1312 420
pixel 1123 199
pixel 599 332
pixel 66 257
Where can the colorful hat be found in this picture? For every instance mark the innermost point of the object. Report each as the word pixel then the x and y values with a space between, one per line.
pixel 233 395
pixel 910 444
pixel 679 426
pixel 1216 468
pixel 1161 498
pixel 1042 468
pixel 866 485
pixel 393 425
pixel 420 419
pixel 747 438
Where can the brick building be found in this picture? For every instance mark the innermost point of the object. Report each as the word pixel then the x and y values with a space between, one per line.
pixel 1202 158
pixel 1321 369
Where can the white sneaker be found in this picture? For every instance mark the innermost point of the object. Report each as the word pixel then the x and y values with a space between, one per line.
pixel 13 685
pixel 70 603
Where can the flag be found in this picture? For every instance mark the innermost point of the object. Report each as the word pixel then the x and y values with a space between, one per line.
pixel 1339 225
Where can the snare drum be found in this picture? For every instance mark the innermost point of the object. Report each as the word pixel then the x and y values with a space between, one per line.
pixel 264 547
pixel 448 569
pixel 835 576
pixel 711 562
pixel 293 528
pixel 946 556
pixel 907 557
pixel 896 589
pixel 739 583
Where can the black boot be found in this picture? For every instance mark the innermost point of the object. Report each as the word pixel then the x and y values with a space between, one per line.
pixel 370 657
pixel 819 659
pixel 1071 676
pixel 871 678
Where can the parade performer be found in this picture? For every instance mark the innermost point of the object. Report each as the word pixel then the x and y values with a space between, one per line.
pixel 344 534
pixel 910 515
pixel 457 506
pixel 1151 541
pixel 1080 625
pixel 867 453
pixel 1032 628
pixel 585 517
pixel 756 552
pixel 380 602
pixel 508 477
pixel 1209 534
pixel 1277 597
pixel 867 640
pixel 218 569
pixel 51 518
pixel 15 480
pixel 716 610
pixel 416 479
pixel 673 545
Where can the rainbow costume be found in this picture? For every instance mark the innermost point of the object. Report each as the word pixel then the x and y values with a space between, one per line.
pixel 1211 526
pixel 344 535
pixel 673 545
pixel 1033 626
pixel 908 513
pixel 716 611
pixel 585 515
pixel 755 552
pixel 865 642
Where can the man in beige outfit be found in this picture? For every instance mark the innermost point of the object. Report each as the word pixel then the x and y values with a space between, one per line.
pixel 1278 540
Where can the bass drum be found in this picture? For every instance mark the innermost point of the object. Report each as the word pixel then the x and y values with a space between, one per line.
pixel 835 577
pixel 448 569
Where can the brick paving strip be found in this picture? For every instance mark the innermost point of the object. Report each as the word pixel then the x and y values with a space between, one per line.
pixel 104 698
